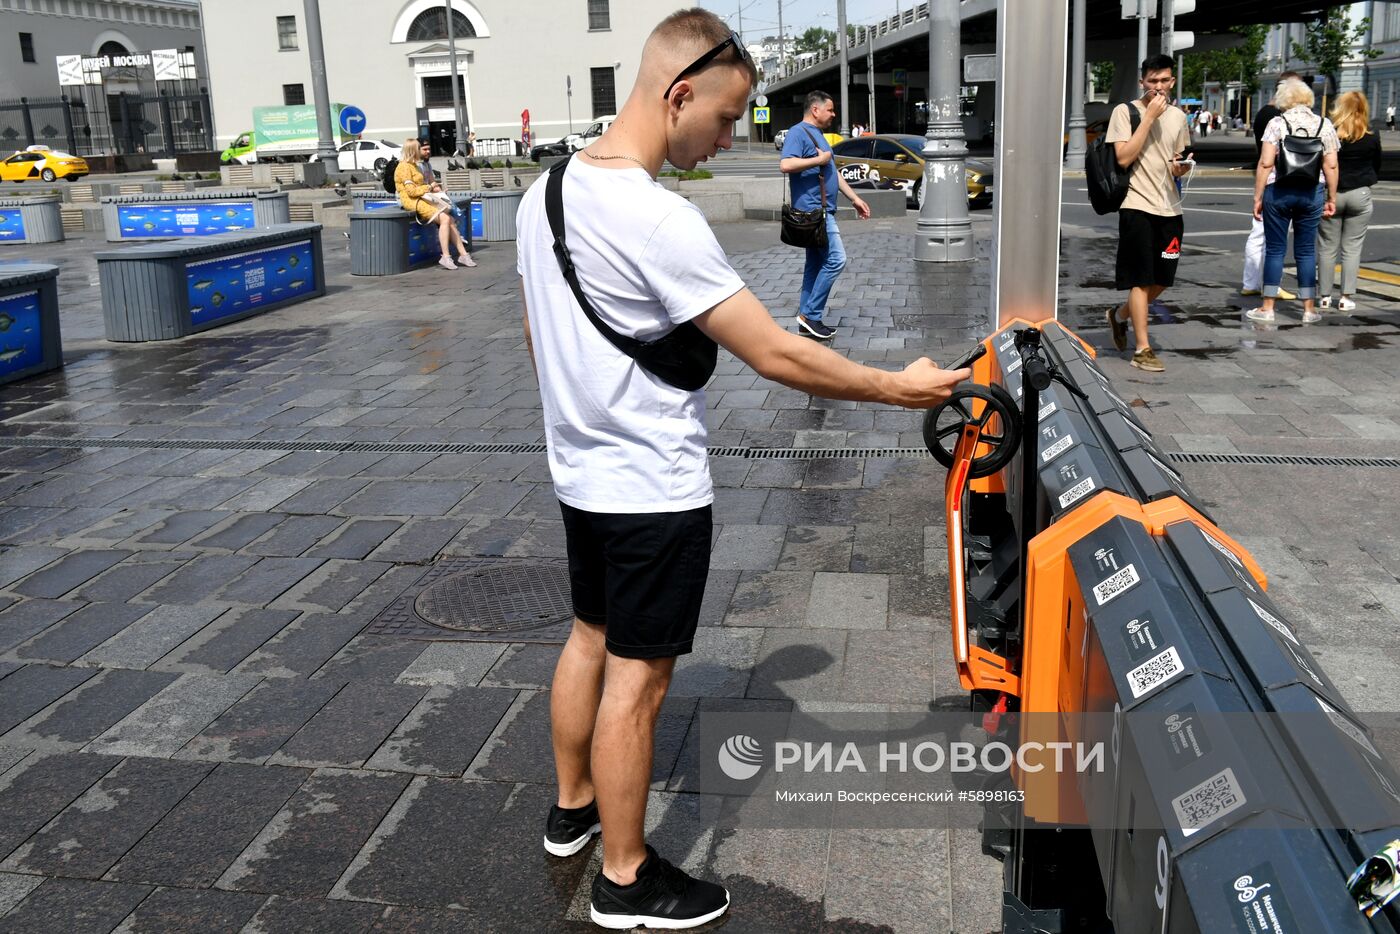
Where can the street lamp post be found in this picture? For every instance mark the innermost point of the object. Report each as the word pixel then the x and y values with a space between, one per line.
pixel 945 229
pixel 1078 145
pixel 842 45
pixel 456 93
pixel 325 140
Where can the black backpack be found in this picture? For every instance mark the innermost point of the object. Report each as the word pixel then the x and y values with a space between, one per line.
pixel 1299 157
pixel 388 177
pixel 1106 180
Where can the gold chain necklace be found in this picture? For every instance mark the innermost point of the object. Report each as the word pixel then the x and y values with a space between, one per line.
pixel 611 158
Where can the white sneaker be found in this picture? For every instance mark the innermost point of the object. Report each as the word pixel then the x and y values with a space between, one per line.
pixel 1346 304
pixel 1325 302
pixel 1311 317
pixel 1259 314
pixel 446 262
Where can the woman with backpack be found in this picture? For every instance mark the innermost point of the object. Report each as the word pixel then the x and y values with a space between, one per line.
pixel 430 204
pixel 1359 166
pixel 1295 184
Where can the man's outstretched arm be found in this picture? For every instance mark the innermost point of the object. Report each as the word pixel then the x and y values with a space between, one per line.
pixel 744 327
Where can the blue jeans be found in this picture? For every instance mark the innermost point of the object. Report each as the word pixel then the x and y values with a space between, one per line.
pixel 1303 207
pixel 823 266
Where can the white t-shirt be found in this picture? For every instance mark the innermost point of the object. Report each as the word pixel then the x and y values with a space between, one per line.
pixel 1300 120
pixel 620 440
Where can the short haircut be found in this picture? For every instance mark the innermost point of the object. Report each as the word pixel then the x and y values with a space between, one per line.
pixel 814 98
pixel 1286 75
pixel 702 30
pixel 1293 93
pixel 1157 63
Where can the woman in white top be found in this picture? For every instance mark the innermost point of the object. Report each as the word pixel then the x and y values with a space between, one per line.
pixel 1281 200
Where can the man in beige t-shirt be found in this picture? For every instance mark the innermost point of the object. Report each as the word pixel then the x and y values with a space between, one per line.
pixel 1149 222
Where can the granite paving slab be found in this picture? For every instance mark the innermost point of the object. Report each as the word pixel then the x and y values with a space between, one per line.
pixel 257 725
pixel 442 734
pixel 173 717
pixel 74 906
pixel 33 688
pixel 81 631
pixel 177 911
pixel 351 726
pixel 84 713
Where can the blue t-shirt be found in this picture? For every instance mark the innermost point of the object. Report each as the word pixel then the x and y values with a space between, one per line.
pixel 802 142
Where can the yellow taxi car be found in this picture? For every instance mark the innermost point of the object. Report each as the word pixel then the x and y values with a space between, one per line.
pixel 42 164
pixel 898 159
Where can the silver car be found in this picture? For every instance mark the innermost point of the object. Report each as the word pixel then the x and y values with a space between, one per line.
pixel 778 139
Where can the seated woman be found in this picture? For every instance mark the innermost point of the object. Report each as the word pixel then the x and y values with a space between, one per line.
pixel 430 204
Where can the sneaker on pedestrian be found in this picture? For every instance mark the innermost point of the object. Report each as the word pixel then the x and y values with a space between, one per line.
pixel 446 262
pixel 1325 302
pixel 661 897
pixel 466 260
pixel 1249 292
pixel 568 830
pixel 1285 295
pixel 1346 304
pixel 815 329
pixel 1118 328
pixel 1311 317
pixel 1145 359
pixel 1259 314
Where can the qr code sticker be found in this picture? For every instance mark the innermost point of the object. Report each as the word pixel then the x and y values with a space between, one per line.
pixel 1350 729
pixel 1075 493
pixel 1209 801
pixel 1056 449
pixel 1155 672
pixel 1275 622
pixel 1112 586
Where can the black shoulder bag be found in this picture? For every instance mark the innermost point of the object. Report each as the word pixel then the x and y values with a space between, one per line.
pixel 684 357
pixel 807 228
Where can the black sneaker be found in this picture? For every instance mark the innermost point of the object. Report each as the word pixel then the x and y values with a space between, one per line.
pixel 662 897
pixel 815 329
pixel 1118 329
pixel 568 830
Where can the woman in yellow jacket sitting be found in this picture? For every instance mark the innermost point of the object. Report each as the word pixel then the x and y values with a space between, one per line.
pixel 430 204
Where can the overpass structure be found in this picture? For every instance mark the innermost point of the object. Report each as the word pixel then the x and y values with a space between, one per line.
pixel 901 44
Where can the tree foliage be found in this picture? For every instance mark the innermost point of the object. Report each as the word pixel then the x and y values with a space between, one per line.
pixel 1329 40
pixel 1239 63
pixel 814 39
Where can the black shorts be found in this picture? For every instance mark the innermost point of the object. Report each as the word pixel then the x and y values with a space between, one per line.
pixel 640 575
pixel 1149 248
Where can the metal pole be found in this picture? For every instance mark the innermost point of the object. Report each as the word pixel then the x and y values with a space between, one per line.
pixel 782 46
pixel 1168 27
pixel 870 74
pixel 1031 44
pixel 569 90
pixel 945 230
pixel 458 129
pixel 845 66
pixel 29 120
pixel 1078 144
pixel 1142 31
pixel 325 140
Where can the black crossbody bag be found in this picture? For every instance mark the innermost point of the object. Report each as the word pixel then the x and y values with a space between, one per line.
pixel 684 357
pixel 807 228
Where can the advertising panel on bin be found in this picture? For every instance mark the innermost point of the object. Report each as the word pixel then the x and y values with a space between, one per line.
pixel 244 282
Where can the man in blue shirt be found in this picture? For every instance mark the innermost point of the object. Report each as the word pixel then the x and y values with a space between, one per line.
pixel 807 164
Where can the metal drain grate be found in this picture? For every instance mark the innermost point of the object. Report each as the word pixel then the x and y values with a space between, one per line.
pixel 483 599
pixel 791 454
pixel 504 598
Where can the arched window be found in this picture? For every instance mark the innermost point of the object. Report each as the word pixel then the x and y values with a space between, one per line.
pixel 112 47
pixel 432 24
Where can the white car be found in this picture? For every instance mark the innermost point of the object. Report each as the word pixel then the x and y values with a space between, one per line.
pixel 365 155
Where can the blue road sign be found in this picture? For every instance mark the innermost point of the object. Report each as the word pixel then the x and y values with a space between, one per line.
pixel 352 120
pixel 761 114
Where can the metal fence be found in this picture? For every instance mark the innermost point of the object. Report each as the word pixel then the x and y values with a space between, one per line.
pixel 94 123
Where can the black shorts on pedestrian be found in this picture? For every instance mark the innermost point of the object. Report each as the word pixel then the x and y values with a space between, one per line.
pixel 1149 248
pixel 640 575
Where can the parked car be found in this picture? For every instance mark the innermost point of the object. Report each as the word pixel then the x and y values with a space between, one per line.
pixel 778 139
pixel 364 155
pixel 899 160
pixel 42 163
pixel 574 141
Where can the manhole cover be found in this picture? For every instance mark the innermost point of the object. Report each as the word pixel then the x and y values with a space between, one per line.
pixel 504 598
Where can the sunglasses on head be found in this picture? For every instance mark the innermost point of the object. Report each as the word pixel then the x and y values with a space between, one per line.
pixel 702 61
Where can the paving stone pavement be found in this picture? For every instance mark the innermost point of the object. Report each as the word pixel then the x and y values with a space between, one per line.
pixel 197 733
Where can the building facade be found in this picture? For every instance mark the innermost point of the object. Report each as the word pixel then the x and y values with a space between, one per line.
pixel 102 77
pixel 1379 77
pixel 565 61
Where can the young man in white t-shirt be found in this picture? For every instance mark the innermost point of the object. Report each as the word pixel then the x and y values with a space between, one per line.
pixel 627 449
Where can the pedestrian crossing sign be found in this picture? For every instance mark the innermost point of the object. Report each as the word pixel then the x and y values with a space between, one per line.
pixel 761 114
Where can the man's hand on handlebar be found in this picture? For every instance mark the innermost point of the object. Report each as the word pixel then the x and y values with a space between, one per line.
pixel 922 385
